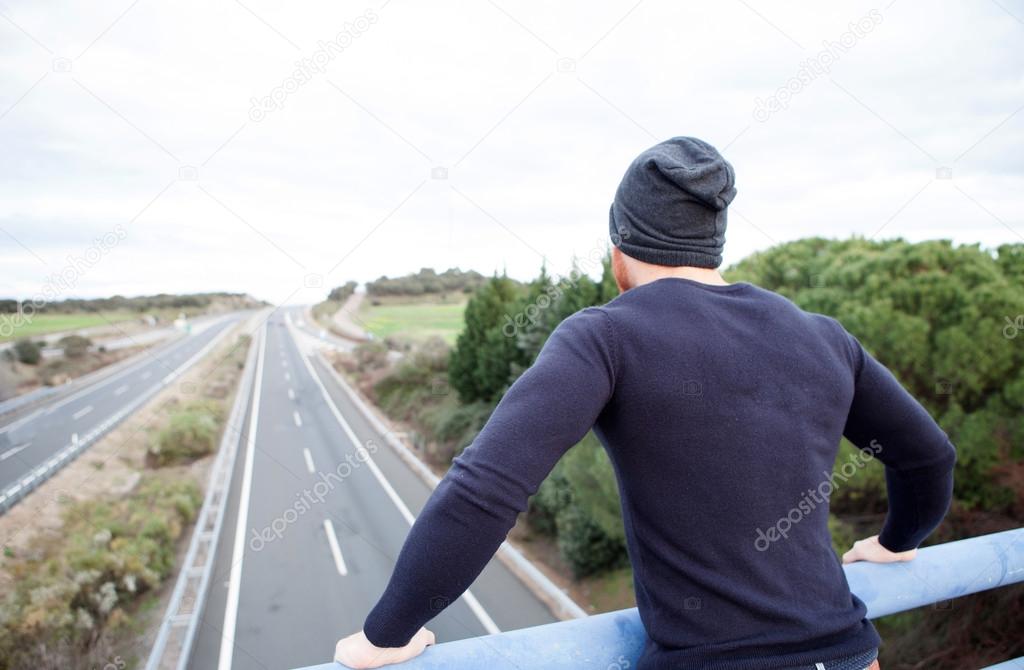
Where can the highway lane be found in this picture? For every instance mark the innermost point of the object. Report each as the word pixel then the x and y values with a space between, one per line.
pixel 32 446
pixel 321 526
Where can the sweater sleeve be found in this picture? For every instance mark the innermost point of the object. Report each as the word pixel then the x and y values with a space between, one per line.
pixel 918 456
pixel 546 411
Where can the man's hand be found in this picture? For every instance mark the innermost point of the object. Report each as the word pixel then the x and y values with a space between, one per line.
pixel 870 549
pixel 357 652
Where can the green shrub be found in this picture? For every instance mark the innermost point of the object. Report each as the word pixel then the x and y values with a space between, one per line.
pixel 553 495
pixel 594 487
pixel 190 433
pixel 27 352
pixel 74 346
pixel 453 426
pixel 417 390
pixel 585 545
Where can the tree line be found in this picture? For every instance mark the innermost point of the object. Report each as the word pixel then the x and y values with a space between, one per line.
pixel 142 303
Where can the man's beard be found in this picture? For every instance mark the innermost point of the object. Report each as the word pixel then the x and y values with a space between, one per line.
pixel 620 273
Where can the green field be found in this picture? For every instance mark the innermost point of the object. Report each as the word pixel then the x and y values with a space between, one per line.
pixel 416 320
pixel 42 324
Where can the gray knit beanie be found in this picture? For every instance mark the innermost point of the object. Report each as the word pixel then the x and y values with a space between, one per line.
pixel 670 208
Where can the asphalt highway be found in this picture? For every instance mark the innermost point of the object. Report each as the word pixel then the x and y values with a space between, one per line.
pixel 33 445
pixel 317 512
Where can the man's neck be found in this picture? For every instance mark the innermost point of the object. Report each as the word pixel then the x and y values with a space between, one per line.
pixel 646 274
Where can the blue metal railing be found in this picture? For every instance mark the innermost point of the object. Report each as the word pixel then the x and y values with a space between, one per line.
pixel 939 573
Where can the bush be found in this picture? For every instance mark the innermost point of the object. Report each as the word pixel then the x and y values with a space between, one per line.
pixel 417 390
pixel 191 433
pixel 585 545
pixel 553 495
pixel 27 352
pixel 579 503
pixel 74 346
pixel 452 426
pixel 594 487
pixel 371 356
pixel 110 552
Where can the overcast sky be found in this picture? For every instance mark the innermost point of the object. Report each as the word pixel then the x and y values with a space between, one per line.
pixel 265 146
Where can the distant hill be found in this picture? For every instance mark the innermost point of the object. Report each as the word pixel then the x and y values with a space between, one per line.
pixel 425 282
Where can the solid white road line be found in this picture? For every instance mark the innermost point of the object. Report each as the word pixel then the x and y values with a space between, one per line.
pixel 332 540
pixel 121 389
pixel 474 605
pixel 291 394
pixel 227 641
pixel 82 412
pixel 287 376
pixel 13 450
pixel 305 453
pixel 298 419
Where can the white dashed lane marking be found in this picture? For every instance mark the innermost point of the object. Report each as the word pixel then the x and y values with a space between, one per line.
pixel 332 540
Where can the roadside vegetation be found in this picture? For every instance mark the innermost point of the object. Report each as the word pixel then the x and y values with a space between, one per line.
pixel 947 320
pixel 191 432
pixel 82 594
pixel 85 586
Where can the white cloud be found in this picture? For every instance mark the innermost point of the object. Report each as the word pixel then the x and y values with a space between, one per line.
pixel 533 153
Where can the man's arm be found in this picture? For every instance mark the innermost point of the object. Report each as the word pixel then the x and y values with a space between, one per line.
pixel 546 411
pixel 917 454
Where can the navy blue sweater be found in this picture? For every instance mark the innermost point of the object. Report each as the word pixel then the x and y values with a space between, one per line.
pixel 722 409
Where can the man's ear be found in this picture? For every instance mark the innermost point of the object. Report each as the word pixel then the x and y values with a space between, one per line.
pixel 620 270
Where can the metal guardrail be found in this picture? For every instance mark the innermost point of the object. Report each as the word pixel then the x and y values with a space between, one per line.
pixel 26 399
pixel 172 647
pixel 939 573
